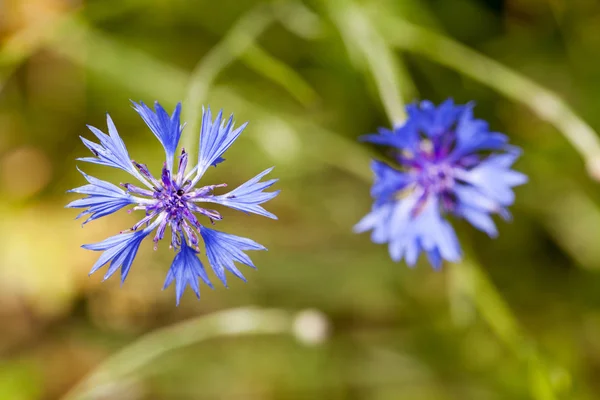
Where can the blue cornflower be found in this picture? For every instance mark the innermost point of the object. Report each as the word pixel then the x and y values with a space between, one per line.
pixel 173 200
pixel 450 163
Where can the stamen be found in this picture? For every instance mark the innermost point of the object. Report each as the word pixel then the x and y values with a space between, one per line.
pixel 204 191
pixel 144 220
pixel 191 235
pixel 174 239
pixel 160 231
pixel 166 178
pixel 191 217
pixel 187 185
pixel 183 160
pixel 420 205
pixel 174 204
pixel 137 190
pixel 146 173
pixel 212 214
pixel 189 174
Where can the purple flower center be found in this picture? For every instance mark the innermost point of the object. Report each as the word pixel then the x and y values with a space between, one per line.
pixel 171 200
pixel 434 174
pixel 173 204
pixel 436 177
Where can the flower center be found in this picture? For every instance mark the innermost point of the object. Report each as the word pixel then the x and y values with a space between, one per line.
pixel 436 177
pixel 173 202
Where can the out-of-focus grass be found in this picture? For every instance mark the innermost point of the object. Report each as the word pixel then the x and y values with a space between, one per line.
pixel 414 334
pixel 130 361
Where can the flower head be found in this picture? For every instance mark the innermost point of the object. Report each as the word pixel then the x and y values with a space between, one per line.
pixel 448 163
pixel 172 200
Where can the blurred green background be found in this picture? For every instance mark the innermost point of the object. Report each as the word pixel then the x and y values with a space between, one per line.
pixel 519 319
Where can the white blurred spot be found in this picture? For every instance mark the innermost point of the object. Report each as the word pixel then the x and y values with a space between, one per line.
pixel 311 326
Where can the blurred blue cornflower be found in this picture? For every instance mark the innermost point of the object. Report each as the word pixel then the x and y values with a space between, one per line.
pixel 450 163
pixel 172 200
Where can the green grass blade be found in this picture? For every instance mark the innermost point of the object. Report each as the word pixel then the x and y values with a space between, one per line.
pixel 270 67
pixel 366 44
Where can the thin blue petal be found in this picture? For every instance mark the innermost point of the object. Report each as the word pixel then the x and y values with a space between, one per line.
pixel 473 135
pixel 248 196
pixel 375 222
pixel 494 180
pixel 479 220
pixel 435 258
pixel 215 138
pixel 431 120
pixel 388 181
pixel 120 250
pixel 402 137
pixel 428 229
pixel 185 271
pixel 222 249
pixel 217 161
pixel 103 198
pixel 111 151
pixel 167 128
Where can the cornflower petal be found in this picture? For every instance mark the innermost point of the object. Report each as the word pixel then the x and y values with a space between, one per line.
pixel 215 138
pixel 111 151
pixel 167 129
pixel 388 181
pixel 185 271
pixel 434 121
pixel 470 140
pixel 248 196
pixel 404 137
pixel 120 250
pixel 376 221
pixel 103 198
pixel 222 249
pixel 494 178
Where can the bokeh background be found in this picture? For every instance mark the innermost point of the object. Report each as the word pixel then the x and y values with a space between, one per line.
pixel 519 319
